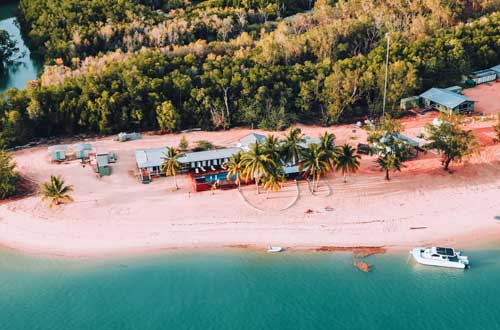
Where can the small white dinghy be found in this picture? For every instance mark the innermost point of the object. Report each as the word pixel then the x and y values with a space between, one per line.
pixel 274 249
pixel 440 257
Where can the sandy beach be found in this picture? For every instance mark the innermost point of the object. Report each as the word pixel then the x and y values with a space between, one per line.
pixel 421 205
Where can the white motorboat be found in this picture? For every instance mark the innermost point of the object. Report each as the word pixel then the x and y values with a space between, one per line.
pixel 274 249
pixel 441 257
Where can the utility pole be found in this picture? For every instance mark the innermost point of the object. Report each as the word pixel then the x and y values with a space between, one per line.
pixel 386 71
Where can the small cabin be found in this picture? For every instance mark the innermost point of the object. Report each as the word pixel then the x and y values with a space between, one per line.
pixel 102 163
pixel 81 150
pixel 58 152
pixel 123 137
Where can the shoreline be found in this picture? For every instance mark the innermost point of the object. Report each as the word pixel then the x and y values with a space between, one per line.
pixel 117 215
pixel 482 241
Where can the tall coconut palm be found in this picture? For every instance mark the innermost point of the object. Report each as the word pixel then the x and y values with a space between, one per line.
pixel 256 163
pixel 273 180
pixel 56 191
pixel 292 148
pixel 347 161
pixel 389 163
pixel 171 165
pixel 327 144
pixel 235 168
pixel 314 163
pixel 272 147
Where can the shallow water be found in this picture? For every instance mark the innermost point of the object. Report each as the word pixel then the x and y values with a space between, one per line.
pixel 246 290
pixel 27 68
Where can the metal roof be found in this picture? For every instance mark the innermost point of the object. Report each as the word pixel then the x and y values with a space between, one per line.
pixel 308 140
pixel 407 139
pixel 59 147
pixel 208 155
pixel 81 146
pixel 483 73
pixel 445 97
pixel 496 68
pixel 251 138
pixel 155 156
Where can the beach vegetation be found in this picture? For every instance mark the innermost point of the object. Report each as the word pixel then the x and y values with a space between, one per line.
pixel 272 146
pixel 451 141
pixel 184 143
pixel 387 144
pixel 56 191
pixel 347 161
pixel 9 178
pixel 257 163
pixel 171 165
pixel 292 145
pixel 273 180
pixel 392 151
pixel 315 162
pixel 327 144
pixel 203 145
pixel 235 168
pixel 389 162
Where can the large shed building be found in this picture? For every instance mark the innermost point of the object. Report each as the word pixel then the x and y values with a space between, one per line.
pixel 447 101
pixel 483 76
pixel 497 70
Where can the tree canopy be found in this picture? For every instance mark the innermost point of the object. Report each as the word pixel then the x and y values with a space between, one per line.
pixel 173 65
pixel 8 175
pixel 8 49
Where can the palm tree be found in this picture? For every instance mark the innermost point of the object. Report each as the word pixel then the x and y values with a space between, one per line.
pixel 272 147
pixel 272 182
pixel 389 163
pixel 315 163
pixel 347 161
pixel 235 168
pixel 292 147
pixel 327 144
pixel 171 165
pixel 56 191
pixel 256 163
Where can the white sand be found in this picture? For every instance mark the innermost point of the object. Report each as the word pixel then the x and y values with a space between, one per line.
pixel 117 214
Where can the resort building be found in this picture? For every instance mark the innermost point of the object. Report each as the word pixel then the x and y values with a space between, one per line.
pixel 205 168
pixel 446 101
pixel 483 76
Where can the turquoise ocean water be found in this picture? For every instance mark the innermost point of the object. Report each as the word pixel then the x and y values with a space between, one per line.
pixel 246 290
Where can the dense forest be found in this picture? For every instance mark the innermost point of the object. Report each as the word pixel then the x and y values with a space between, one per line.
pixel 171 65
